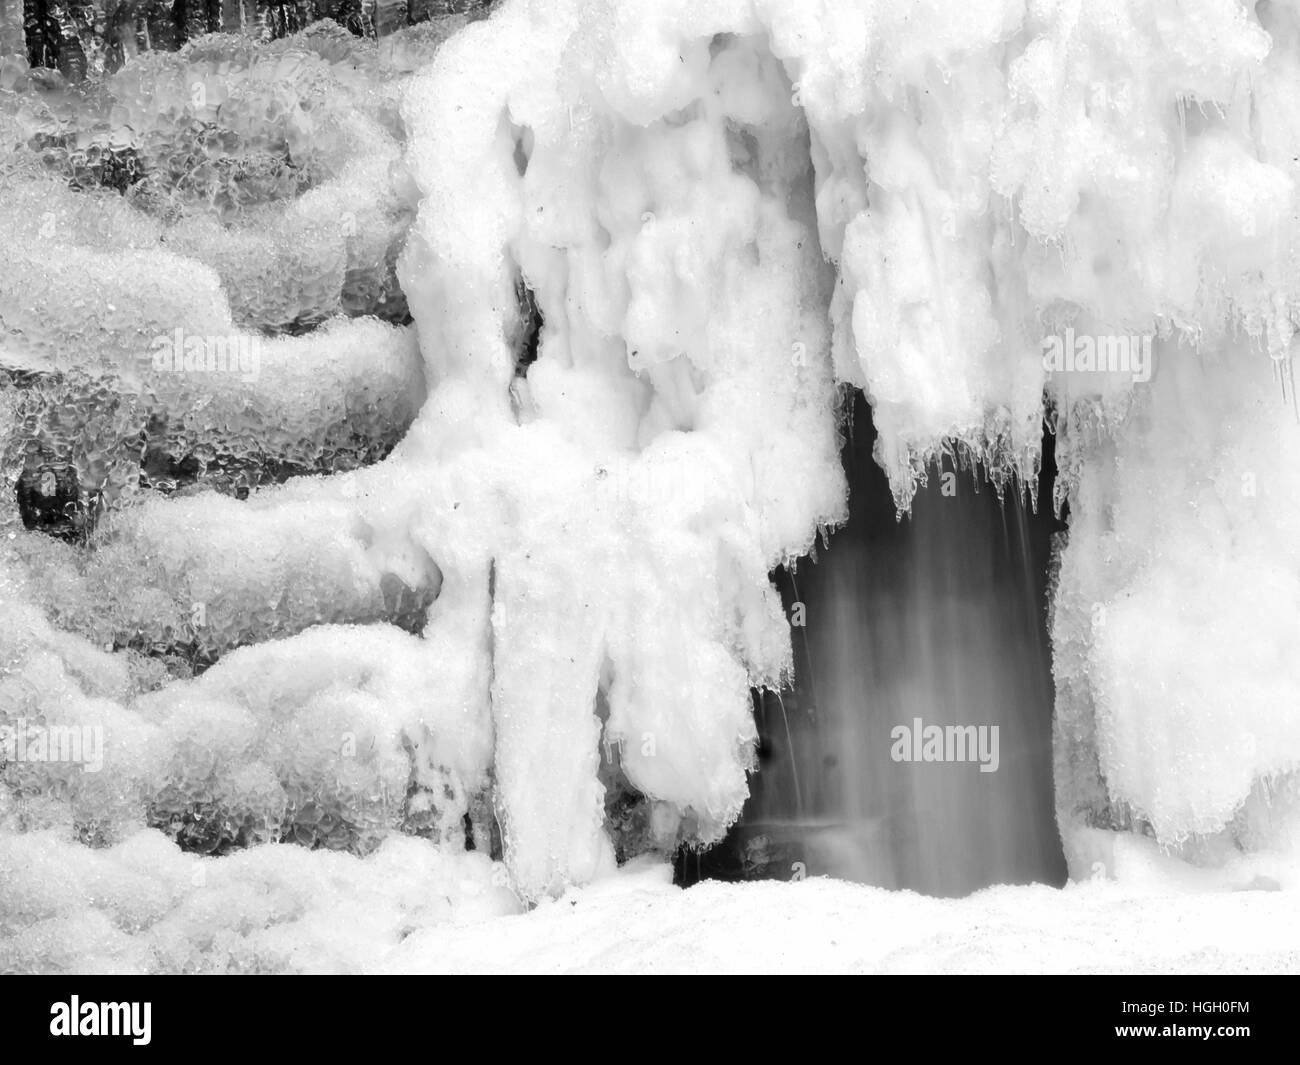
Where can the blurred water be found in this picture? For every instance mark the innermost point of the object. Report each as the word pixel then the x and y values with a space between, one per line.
pixel 939 617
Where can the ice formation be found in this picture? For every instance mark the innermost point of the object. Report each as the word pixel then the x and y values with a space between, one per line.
pixel 978 185
pixel 646 247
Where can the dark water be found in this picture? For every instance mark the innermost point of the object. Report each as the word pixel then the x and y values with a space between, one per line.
pixel 940 617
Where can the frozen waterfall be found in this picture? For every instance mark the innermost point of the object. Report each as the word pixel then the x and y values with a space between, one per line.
pixel 448 462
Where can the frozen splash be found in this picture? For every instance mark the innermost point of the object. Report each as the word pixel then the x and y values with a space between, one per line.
pixel 656 244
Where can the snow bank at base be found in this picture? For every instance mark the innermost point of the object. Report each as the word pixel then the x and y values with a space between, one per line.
pixel 639 923
pixel 413 908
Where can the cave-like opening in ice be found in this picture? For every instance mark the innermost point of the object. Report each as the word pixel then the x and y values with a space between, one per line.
pixel 941 615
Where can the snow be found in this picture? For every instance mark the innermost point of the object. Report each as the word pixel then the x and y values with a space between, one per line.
pixel 641 924
pixel 830 926
pixel 411 908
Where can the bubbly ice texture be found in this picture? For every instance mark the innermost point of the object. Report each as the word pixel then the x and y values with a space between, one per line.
pixel 153 285
pixel 708 219
pixel 223 196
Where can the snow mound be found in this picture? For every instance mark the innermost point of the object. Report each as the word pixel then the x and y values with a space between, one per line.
pixel 639 923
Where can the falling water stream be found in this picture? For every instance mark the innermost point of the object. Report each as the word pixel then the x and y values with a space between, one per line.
pixel 938 617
